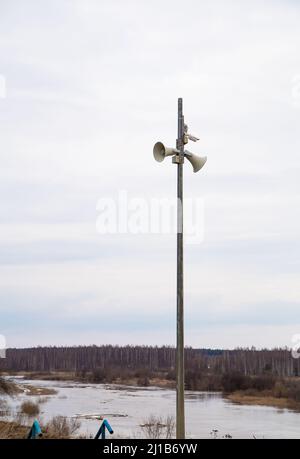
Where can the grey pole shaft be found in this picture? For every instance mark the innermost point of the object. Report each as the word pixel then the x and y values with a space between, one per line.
pixel 180 418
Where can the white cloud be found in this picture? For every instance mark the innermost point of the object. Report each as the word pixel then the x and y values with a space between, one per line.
pixel 90 87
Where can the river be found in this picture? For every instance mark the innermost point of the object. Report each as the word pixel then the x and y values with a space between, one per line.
pixel 127 407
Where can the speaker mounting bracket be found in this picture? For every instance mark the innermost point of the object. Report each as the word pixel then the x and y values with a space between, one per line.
pixel 178 159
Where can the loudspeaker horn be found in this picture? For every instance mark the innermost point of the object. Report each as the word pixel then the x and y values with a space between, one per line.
pixel 196 161
pixel 160 151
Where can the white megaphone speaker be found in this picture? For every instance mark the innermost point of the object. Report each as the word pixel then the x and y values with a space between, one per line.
pixel 160 151
pixel 196 161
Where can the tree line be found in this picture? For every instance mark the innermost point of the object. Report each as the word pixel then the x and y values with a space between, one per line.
pixel 278 362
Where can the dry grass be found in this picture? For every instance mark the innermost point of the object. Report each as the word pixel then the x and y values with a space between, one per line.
pixel 49 376
pixel 11 430
pixel 8 387
pixel 158 427
pixel 4 408
pixel 60 427
pixel 263 400
pixel 30 409
pixel 34 390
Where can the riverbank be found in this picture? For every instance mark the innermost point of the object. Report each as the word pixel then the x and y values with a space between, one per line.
pixel 242 398
pixel 156 381
pixel 58 427
pixel 12 388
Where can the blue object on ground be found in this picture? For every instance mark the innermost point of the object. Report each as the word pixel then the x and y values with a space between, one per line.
pixel 101 432
pixel 35 430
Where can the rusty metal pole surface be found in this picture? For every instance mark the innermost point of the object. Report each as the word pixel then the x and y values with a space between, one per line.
pixel 180 417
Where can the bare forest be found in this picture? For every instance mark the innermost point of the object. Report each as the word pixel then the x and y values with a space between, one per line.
pixel 249 362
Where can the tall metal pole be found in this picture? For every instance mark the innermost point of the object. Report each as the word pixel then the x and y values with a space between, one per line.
pixel 178 155
pixel 180 418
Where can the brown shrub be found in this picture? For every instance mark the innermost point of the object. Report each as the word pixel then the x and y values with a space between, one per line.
pixel 293 390
pixel 30 409
pixel 157 427
pixel 7 387
pixel 280 390
pixel 99 375
pixel 60 427
pixel 143 381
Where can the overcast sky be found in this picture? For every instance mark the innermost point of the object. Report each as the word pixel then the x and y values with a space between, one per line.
pixel 90 86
